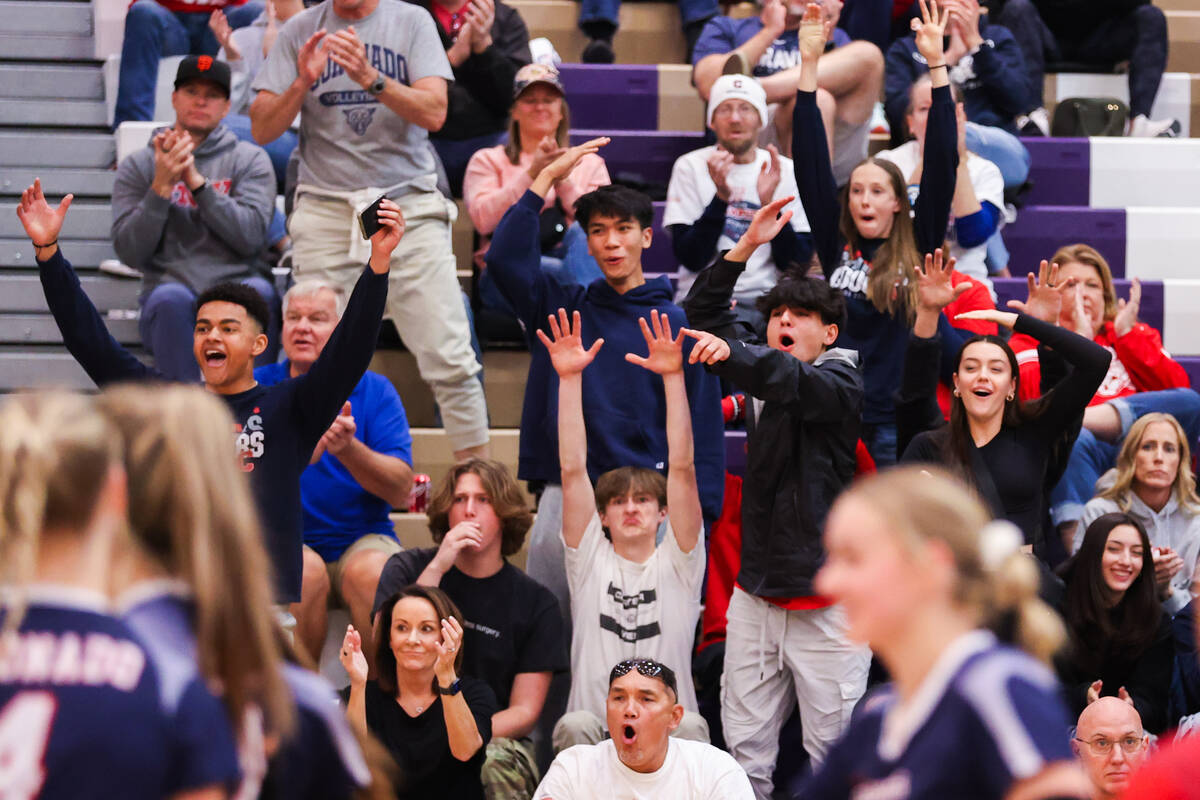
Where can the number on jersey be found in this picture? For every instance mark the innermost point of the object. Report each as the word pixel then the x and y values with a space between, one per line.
pixel 24 733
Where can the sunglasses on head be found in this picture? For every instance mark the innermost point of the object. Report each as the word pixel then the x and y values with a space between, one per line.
pixel 647 667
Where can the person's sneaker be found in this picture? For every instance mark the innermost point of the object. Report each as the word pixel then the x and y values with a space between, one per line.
pixel 879 122
pixel 1143 127
pixel 736 64
pixel 113 266
pixel 1035 123
pixel 598 51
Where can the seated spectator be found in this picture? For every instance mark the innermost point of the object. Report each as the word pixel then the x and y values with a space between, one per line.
pixel 190 211
pixel 644 760
pixel 599 19
pixel 1153 483
pixel 714 192
pixel 158 28
pixel 486 43
pixel 360 471
pixel 988 67
pixel 514 631
pixel 630 597
pixel 812 396
pixel 1099 34
pixel 849 80
pixel 245 50
pixel 1110 745
pixel 435 722
pixel 1119 636
pixel 1141 378
pixel 497 176
pixel 977 209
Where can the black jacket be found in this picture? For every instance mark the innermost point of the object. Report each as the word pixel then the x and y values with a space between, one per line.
pixel 801 448
pixel 481 94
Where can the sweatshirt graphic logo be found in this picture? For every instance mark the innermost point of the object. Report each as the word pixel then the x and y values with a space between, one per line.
pixel 251 440
pixel 359 118
pixel 181 196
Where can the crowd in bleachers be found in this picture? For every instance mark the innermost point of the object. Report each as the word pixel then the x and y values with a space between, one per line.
pixel 1008 606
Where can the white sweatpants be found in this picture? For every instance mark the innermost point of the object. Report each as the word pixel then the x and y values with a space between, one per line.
pixel 774 660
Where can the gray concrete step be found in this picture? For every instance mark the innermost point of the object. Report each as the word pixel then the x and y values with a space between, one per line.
pixel 83 182
pixel 54 148
pixel 56 113
pixel 45 47
pixel 24 368
pixel 46 16
pixel 22 293
pixel 41 329
pixel 74 82
pixel 84 221
pixel 84 254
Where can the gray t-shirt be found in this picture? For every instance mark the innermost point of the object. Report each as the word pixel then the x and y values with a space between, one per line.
pixel 349 140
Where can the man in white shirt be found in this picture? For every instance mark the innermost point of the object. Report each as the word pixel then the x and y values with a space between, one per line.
pixel 714 192
pixel 642 760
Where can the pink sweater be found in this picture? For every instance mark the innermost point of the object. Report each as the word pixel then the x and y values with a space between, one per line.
pixel 492 184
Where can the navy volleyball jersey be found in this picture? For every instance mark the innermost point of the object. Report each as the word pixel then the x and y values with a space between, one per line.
pixel 81 712
pixel 986 717
pixel 202 742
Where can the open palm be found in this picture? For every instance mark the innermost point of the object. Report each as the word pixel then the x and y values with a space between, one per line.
pixel 41 221
pixel 666 352
pixel 565 344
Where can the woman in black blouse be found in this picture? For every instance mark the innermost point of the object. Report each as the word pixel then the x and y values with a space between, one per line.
pixel 435 724
pixel 1011 452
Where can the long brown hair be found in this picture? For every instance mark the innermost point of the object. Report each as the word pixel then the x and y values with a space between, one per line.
pixel 191 510
pixel 56 453
pixel 502 490
pixel 1184 485
pixel 512 148
pixel 385 659
pixel 892 281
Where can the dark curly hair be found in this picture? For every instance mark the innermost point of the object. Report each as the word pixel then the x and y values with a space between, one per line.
pixel 240 295
pixel 800 292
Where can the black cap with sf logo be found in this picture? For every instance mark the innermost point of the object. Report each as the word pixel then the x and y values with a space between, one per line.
pixel 203 68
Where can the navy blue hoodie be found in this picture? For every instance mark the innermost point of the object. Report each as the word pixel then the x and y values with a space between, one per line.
pixel 623 404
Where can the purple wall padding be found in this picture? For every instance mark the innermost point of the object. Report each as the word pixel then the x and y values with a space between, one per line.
pixel 1040 230
pixel 612 96
pixel 735 452
pixel 1061 172
pixel 645 156
pixel 1152 296
pixel 659 257
pixel 1190 364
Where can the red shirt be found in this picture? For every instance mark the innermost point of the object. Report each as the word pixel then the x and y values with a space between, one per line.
pixel 1171 774
pixel 197 6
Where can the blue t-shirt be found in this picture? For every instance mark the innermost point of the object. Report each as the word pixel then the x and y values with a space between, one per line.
pixel 985 717
pixel 723 35
pixel 81 712
pixel 337 509
pixel 203 746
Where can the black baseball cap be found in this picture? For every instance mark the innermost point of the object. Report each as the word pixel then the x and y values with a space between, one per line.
pixel 203 68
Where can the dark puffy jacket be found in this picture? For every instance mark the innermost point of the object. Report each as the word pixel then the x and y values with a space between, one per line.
pixel 801 448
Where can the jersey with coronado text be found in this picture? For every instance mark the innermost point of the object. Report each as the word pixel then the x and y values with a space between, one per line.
pixel 81 712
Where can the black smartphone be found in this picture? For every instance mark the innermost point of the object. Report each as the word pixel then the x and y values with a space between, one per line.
pixel 368 220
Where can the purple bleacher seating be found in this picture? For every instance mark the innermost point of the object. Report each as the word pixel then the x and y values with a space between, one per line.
pixel 612 96
pixel 735 453
pixel 646 156
pixel 1061 171
pixel 1040 230
pixel 1190 364
pixel 1151 311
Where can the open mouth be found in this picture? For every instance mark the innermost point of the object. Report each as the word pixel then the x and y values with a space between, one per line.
pixel 628 734
pixel 214 358
pixel 982 392
pixel 786 342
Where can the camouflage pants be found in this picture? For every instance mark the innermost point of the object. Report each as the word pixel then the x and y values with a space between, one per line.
pixel 510 771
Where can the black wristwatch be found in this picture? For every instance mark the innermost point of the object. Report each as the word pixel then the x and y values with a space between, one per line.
pixel 377 86
pixel 454 688
pixel 200 188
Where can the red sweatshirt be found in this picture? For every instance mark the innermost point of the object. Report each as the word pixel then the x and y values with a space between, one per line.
pixel 1140 364
pixel 973 299
pixel 197 6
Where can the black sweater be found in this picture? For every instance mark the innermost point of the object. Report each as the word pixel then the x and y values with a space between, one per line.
pixel 1016 469
pixel 878 337
pixel 277 426
pixel 801 449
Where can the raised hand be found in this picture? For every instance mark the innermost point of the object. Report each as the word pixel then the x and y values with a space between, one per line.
pixel 565 344
pixel 929 30
pixel 768 221
pixel 312 57
pixel 566 162
pixel 935 282
pixel 768 176
pixel 448 647
pixel 666 353
pixel 547 151
pixel 352 657
pixel 42 223
pixel 812 34
pixel 1093 692
pixel 385 240
pixel 709 348
pixel 1127 311
pixel 773 16
pixel 1044 299
pixel 219 25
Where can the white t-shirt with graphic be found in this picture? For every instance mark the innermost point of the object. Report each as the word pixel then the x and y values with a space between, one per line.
pixel 348 138
pixel 691 771
pixel 621 609
pixel 692 189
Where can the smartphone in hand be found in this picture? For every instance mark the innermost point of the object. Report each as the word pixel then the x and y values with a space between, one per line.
pixel 368 220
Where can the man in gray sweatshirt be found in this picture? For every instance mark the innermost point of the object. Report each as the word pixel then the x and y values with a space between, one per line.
pixel 192 210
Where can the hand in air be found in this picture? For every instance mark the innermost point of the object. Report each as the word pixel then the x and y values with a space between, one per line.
pixel 1044 299
pixel 565 344
pixel 935 282
pixel 41 221
pixel 385 240
pixel 928 32
pixel 666 353
pixel 1127 311
pixel 709 348
pixel 352 657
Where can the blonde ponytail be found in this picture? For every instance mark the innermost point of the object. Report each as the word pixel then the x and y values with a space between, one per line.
pixel 1017 614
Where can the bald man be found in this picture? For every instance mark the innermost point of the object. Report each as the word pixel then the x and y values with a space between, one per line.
pixel 1110 745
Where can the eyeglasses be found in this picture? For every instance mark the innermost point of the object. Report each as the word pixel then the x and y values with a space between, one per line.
pixel 1102 747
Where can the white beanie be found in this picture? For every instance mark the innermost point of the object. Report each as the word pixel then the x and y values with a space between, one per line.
pixel 738 87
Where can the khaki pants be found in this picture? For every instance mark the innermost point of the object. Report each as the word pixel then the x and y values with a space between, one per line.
pixel 424 299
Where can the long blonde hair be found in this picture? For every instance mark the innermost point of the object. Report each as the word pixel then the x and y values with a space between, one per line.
pixel 999 584
pixel 1184 486
pixel 56 453
pixel 191 509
